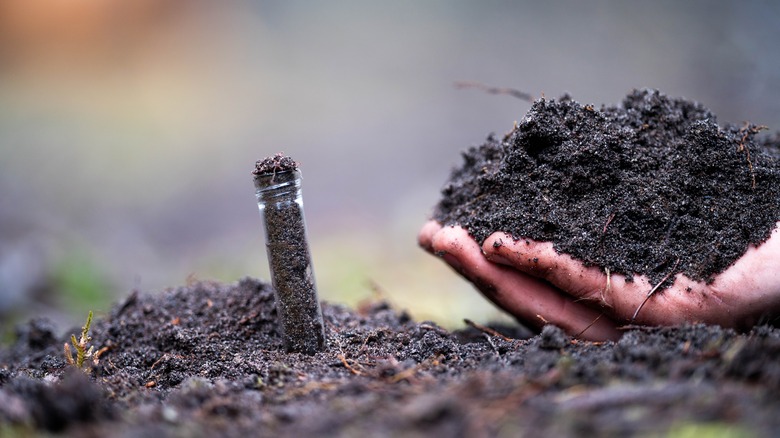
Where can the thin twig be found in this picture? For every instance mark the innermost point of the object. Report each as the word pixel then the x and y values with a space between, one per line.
pixel 746 131
pixel 495 90
pixel 607 288
pixel 589 326
pixel 652 291
pixel 492 345
pixel 96 356
pixel 408 373
pixel 486 330
pixel 348 366
pixel 609 221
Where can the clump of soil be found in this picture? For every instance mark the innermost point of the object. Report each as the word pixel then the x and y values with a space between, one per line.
pixel 208 360
pixel 274 164
pixel 650 187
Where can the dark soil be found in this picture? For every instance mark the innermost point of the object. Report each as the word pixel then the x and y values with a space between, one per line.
pixel 208 360
pixel 652 187
pixel 274 164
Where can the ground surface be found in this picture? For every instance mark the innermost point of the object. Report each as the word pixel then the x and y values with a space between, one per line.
pixel 207 360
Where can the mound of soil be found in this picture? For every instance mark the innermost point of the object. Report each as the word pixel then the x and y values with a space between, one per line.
pixel 650 187
pixel 207 360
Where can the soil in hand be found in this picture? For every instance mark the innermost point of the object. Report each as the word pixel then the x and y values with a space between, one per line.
pixel 653 187
pixel 208 360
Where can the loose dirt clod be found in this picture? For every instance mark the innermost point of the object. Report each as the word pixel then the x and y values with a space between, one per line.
pixel 274 164
pixel 631 188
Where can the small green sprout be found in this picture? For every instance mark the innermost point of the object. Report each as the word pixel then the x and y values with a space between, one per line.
pixel 82 353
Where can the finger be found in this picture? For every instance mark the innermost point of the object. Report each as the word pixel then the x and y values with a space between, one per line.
pixel 541 260
pixel 425 237
pixel 626 301
pixel 528 298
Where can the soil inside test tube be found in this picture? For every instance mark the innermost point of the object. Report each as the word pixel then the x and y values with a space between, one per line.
pixel 288 254
pixel 293 278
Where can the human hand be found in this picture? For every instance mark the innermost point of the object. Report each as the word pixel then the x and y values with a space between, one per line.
pixel 537 285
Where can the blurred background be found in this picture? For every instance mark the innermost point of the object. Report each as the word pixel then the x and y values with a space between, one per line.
pixel 128 128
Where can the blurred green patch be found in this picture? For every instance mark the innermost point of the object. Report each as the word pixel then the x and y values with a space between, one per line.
pixel 709 430
pixel 81 284
pixel 7 335
pixel 18 431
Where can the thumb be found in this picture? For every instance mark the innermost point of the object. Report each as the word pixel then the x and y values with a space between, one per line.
pixel 541 260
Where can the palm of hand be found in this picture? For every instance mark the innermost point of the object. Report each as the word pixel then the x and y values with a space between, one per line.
pixel 536 284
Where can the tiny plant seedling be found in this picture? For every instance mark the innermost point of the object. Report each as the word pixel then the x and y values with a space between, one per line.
pixel 80 345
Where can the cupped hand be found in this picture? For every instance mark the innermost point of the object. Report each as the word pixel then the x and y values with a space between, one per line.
pixel 537 285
